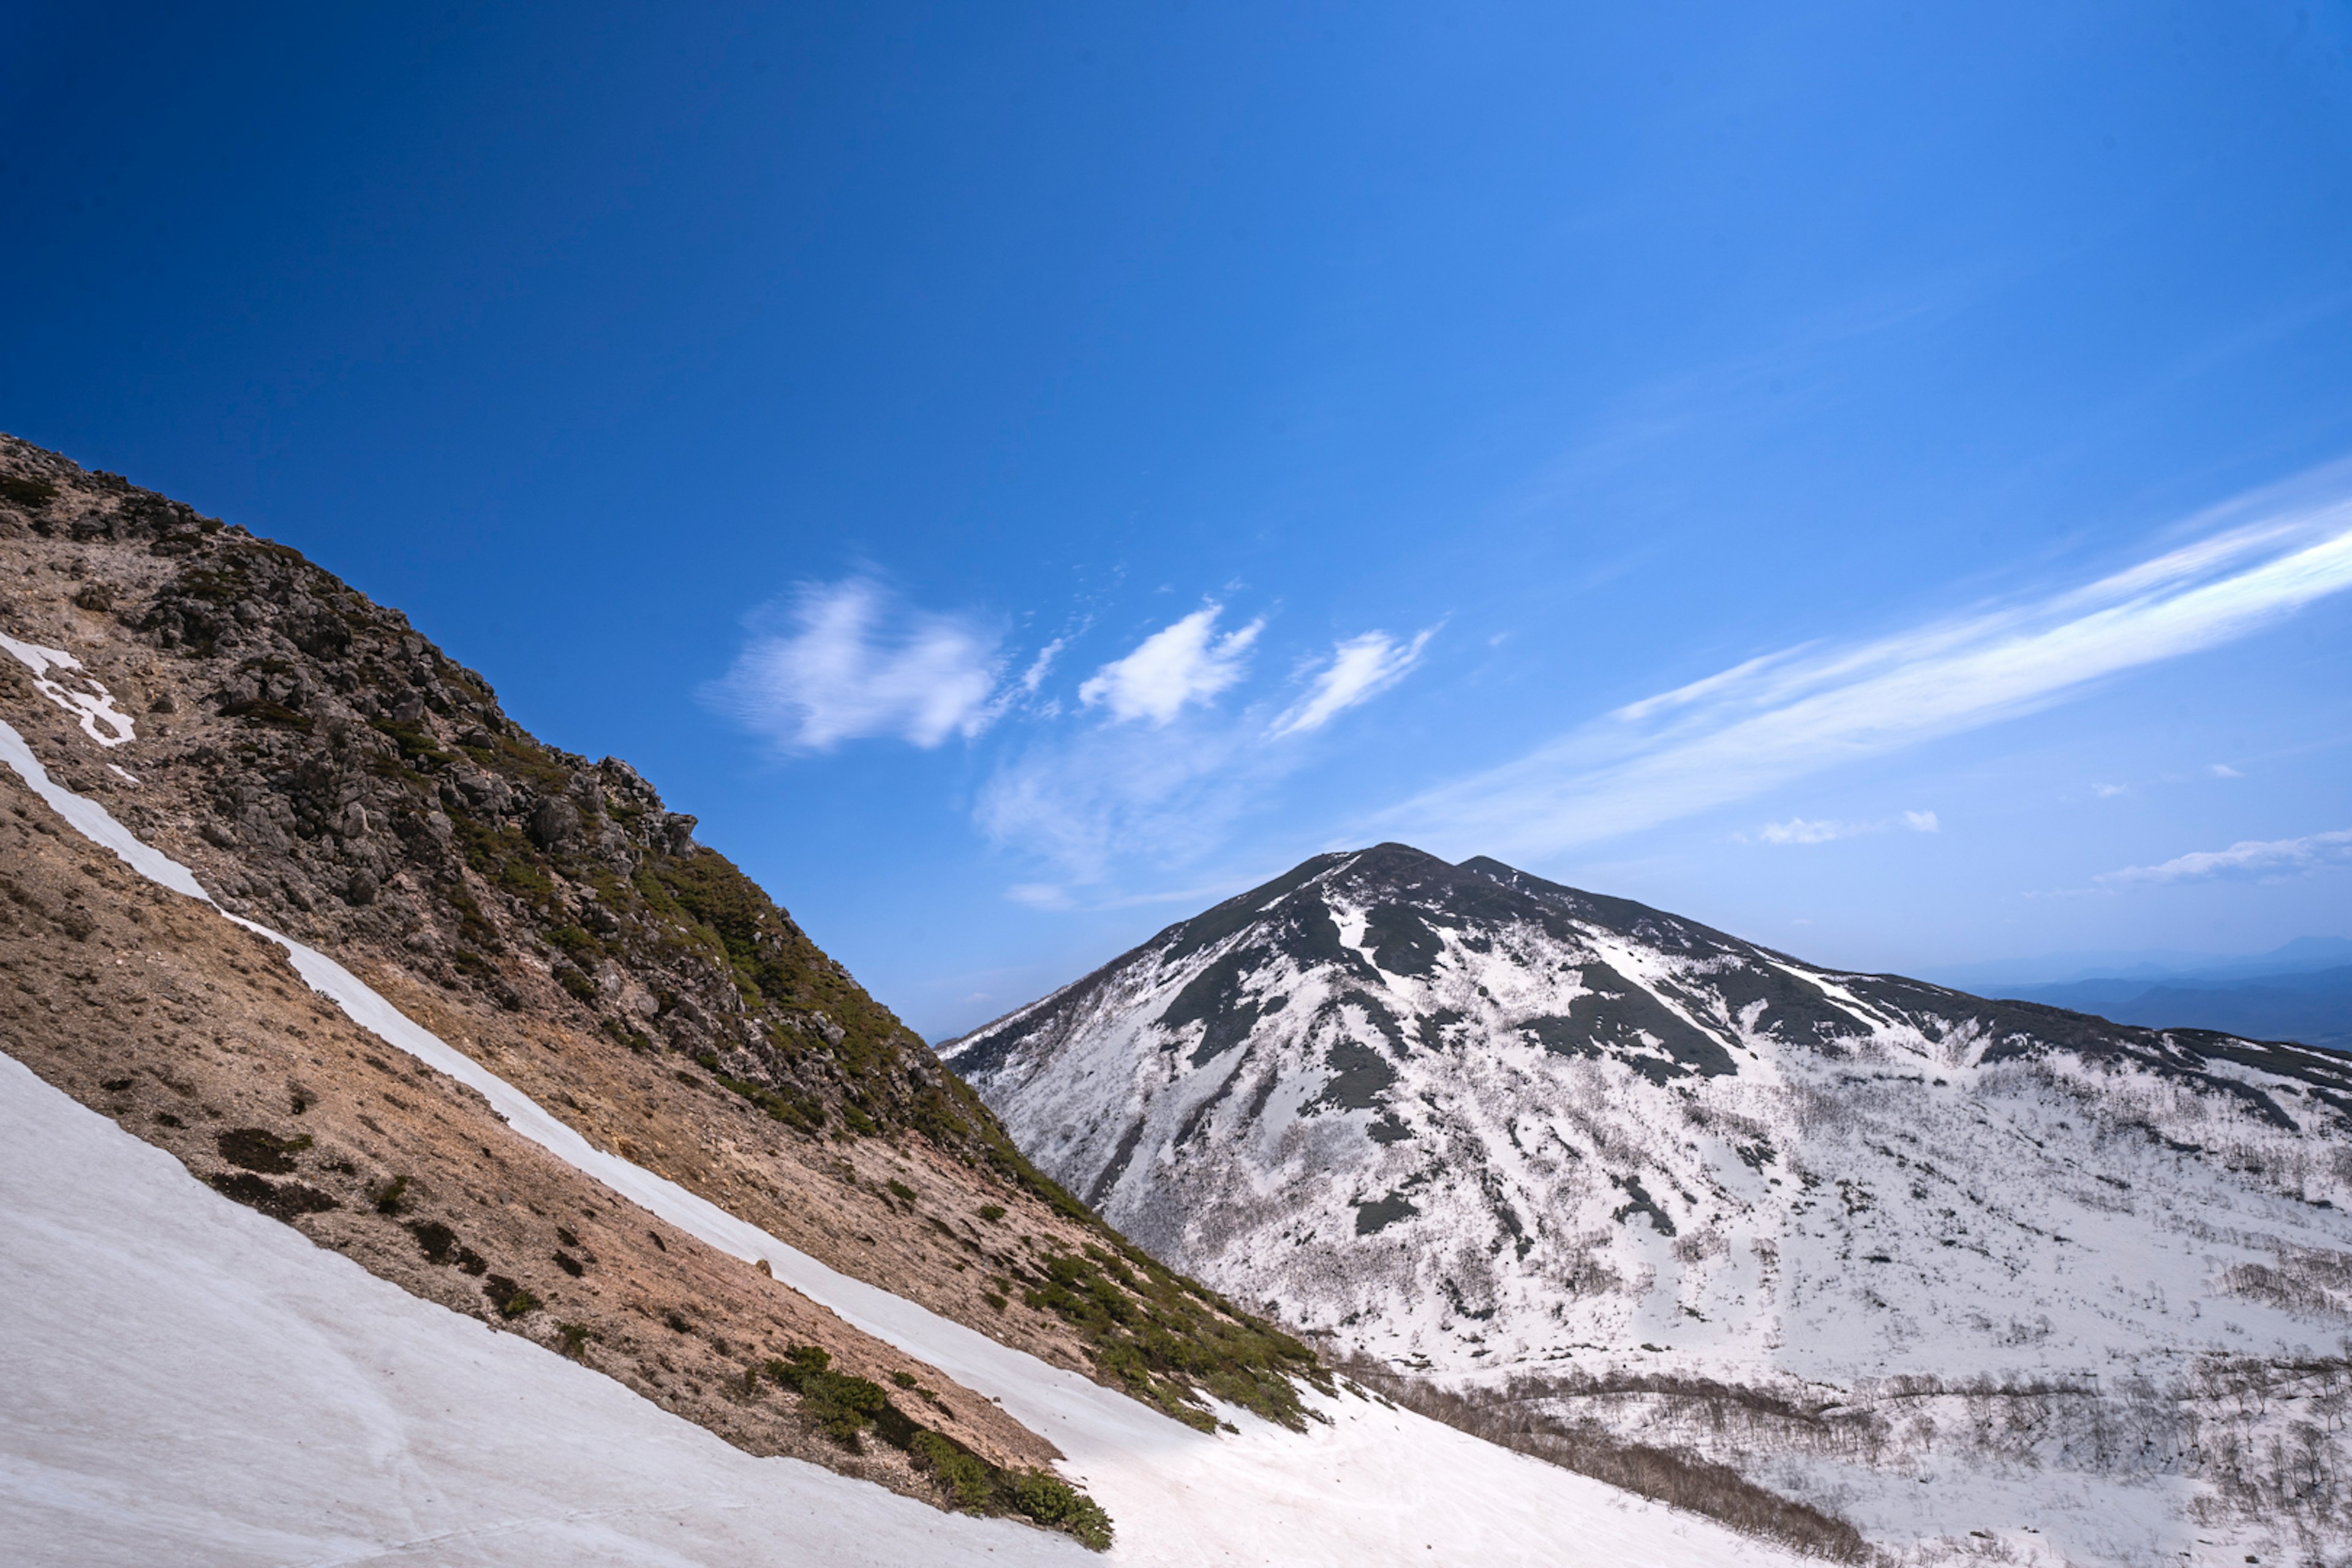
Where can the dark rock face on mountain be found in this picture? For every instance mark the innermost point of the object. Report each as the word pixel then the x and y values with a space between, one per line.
pixel 1463 1117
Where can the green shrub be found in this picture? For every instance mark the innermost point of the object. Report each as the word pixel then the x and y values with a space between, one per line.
pixel 581 988
pixel 1166 1341
pixel 992 1213
pixel 840 1405
pixel 575 1339
pixel 391 1197
pixel 510 1299
pixel 793 1111
pixel 575 941
pixel 900 1190
pixel 975 1486
pixel 1058 1505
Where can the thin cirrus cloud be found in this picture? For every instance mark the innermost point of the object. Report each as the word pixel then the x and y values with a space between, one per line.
pixel 2248 859
pixel 1163 791
pixel 1084 802
pixel 1172 670
pixel 1793 714
pixel 843 661
pixel 1811 830
pixel 1361 668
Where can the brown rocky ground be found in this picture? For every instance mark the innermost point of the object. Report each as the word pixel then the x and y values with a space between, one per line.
pixel 198 1036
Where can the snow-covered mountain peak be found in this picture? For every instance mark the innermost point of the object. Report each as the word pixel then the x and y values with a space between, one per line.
pixel 1464 1118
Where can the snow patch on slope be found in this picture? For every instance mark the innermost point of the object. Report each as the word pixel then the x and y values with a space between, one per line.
pixel 93 709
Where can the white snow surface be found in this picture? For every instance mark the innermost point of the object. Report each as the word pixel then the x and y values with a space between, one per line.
pixel 93 709
pixel 1368 1484
pixel 183 1380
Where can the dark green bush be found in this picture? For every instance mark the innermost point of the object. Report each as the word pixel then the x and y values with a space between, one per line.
pixel 510 1299
pixel 840 1405
pixel 1058 1505
pixel 256 1149
pixel 582 948
pixel 970 1482
pixel 1165 1341
pixel 975 1486
pixel 435 1238
pixel 279 1200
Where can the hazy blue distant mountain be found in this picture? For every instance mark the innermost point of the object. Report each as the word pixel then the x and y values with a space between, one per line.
pixel 2314 1008
pixel 2148 966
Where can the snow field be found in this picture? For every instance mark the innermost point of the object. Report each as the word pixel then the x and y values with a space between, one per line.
pixel 1372 1486
pixel 183 1380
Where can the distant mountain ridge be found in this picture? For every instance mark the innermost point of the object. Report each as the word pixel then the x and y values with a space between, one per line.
pixel 2300 991
pixel 2150 966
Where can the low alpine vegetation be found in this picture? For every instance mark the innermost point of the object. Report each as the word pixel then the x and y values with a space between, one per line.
pixel 844 1408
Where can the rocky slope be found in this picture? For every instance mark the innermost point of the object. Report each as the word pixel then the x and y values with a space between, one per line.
pixel 151 1008
pixel 324 770
pixel 1488 1128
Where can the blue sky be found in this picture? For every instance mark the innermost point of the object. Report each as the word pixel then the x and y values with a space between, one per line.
pixel 1871 479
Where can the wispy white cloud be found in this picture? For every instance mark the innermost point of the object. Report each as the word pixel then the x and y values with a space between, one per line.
pixel 2224 771
pixel 1795 713
pixel 1812 830
pixel 1086 802
pixel 1361 668
pixel 1091 803
pixel 1172 668
pixel 1035 676
pixel 1805 830
pixel 2108 791
pixel 841 661
pixel 2247 858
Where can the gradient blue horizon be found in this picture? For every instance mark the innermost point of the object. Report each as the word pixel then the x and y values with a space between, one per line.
pixel 1612 349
